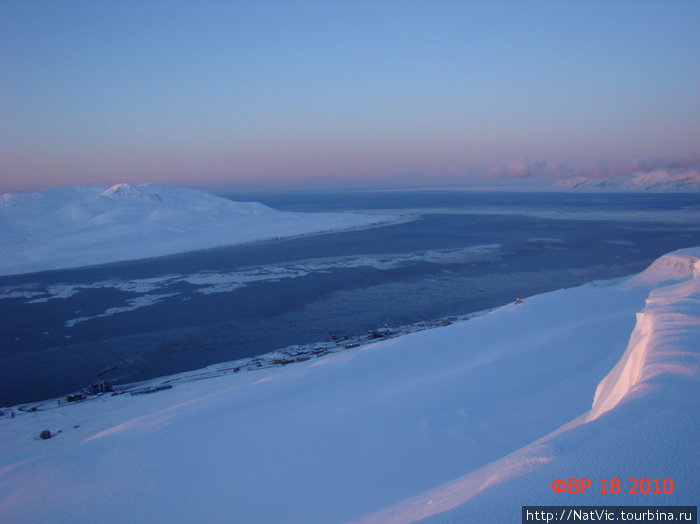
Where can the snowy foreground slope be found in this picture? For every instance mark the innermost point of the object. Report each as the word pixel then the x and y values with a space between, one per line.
pixel 464 423
pixel 76 226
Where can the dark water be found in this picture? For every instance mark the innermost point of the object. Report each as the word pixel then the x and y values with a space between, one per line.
pixel 464 252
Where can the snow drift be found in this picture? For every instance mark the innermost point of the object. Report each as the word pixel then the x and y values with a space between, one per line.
pixel 77 226
pixel 464 423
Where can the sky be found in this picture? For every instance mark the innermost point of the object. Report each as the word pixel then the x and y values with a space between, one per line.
pixel 335 94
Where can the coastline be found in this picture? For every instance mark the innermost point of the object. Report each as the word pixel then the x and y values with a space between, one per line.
pixel 475 418
pixel 45 266
pixel 277 358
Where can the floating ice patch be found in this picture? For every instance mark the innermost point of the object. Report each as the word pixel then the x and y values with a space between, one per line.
pixel 211 282
pixel 222 282
pixel 26 291
pixel 143 285
pixel 65 290
pixel 133 303
pixel 57 291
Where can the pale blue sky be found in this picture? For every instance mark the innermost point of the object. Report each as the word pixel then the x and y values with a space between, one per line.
pixel 300 94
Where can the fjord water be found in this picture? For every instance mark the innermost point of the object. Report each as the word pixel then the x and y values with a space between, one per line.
pixel 460 252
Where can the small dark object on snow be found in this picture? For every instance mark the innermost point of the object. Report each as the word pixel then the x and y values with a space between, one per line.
pixel 152 389
pixel 45 435
pixel 75 397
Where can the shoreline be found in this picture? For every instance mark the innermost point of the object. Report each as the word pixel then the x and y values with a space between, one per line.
pixel 277 358
pixel 360 227
pixel 509 401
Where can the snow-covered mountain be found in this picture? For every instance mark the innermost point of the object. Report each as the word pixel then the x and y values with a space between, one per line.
pixel 464 423
pixel 659 181
pixel 76 226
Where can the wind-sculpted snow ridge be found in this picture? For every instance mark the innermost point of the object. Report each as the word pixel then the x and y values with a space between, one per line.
pixel 78 226
pixel 670 316
pixel 679 265
pixel 463 423
pixel 640 430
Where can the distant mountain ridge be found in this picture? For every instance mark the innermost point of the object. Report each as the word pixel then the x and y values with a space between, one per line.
pixel 129 191
pixel 659 181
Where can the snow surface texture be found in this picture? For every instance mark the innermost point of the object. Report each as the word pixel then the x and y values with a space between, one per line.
pixel 464 423
pixel 77 226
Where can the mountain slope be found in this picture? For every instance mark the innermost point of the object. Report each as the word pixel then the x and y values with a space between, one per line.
pixel 70 227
